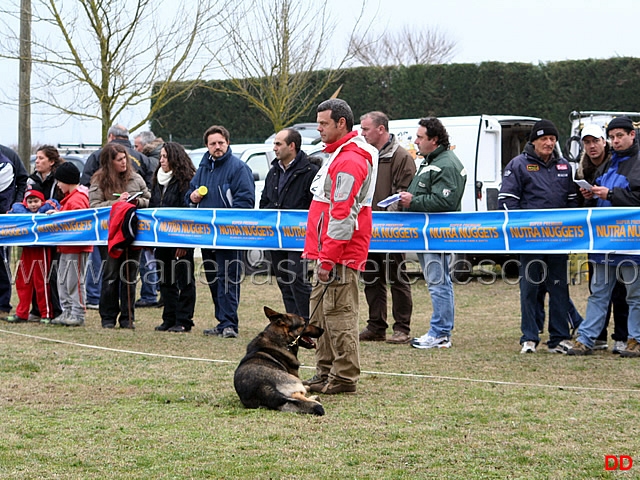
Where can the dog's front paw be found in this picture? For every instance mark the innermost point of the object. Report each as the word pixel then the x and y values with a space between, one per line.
pixel 314 398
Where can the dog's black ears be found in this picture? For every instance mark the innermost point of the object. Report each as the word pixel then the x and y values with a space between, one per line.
pixel 271 314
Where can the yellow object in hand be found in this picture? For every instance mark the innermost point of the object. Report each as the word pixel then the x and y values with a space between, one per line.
pixel 202 191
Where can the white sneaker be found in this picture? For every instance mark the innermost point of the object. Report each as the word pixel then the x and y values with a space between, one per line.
pixel 563 347
pixel 528 347
pixel 619 346
pixel 427 341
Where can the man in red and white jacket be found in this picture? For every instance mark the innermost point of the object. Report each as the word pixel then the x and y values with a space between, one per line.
pixel 338 236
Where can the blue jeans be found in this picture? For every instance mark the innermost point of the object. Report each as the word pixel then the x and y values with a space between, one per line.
pixel 93 280
pixel 603 281
pixel 435 268
pixel 148 277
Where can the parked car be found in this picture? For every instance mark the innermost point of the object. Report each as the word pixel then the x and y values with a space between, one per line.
pixel 308 131
pixel 77 159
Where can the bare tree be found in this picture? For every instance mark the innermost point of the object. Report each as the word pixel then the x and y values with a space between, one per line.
pixel 94 59
pixel 409 46
pixel 276 52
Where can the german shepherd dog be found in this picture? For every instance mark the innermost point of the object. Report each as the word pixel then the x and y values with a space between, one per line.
pixel 268 374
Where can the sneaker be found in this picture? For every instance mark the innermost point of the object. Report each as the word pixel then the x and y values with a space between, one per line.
pixel 563 347
pixel 431 342
pixel 579 349
pixel 163 327
pixel 71 321
pixel 333 388
pixel 212 332
pixel 15 319
pixel 92 306
pixel 314 380
pixel 58 320
pixel 399 338
pixel 632 350
pixel 601 345
pixel 619 346
pixel 229 332
pixel 528 347
pixel 46 320
pixel 367 335
pixel 33 318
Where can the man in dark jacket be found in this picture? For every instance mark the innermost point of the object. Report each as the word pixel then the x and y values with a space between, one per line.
pixel 287 187
pixel 13 184
pixel 616 184
pixel 229 183
pixel 596 152
pixel 143 164
pixel 539 178
pixel 396 169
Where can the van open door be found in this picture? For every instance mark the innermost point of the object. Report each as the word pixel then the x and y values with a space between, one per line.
pixel 488 169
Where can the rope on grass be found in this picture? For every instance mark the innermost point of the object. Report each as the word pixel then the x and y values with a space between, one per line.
pixel 367 372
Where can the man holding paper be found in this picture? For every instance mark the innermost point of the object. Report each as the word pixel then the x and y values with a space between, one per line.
pixel 437 187
pixel 595 152
pixel 616 184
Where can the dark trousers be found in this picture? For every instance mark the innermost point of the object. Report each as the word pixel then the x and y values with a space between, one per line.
pixel 382 269
pixel 573 316
pixel 118 292
pixel 223 270
pixel 5 279
pixel 552 271
pixel 177 286
pixel 290 271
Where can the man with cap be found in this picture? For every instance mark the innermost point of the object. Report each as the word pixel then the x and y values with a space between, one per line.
pixel 595 152
pixel 616 184
pixel 539 178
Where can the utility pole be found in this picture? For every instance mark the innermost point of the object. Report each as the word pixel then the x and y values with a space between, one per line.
pixel 24 96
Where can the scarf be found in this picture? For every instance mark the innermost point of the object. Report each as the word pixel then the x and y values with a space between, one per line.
pixel 164 178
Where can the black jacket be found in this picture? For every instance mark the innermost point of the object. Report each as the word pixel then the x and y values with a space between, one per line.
pixel 14 175
pixel 171 196
pixel 295 194
pixel 48 186
pixel 530 183
pixel 143 165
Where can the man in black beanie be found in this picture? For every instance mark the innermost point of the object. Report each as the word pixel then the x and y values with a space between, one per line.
pixel 616 184
pixel 540 178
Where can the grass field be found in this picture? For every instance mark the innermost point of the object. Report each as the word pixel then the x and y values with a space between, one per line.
pixel 88 403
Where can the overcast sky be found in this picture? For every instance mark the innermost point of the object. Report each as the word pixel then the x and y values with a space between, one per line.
pixel 531 31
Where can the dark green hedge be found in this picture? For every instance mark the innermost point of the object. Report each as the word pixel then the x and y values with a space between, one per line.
pixel 552 90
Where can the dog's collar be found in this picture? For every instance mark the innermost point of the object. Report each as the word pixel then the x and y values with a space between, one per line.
pixel 295 342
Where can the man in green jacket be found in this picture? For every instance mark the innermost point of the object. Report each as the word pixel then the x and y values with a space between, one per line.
pixel 437 187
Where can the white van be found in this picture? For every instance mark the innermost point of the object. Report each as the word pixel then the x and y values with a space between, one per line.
pixel 483 143
pixel 580 119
